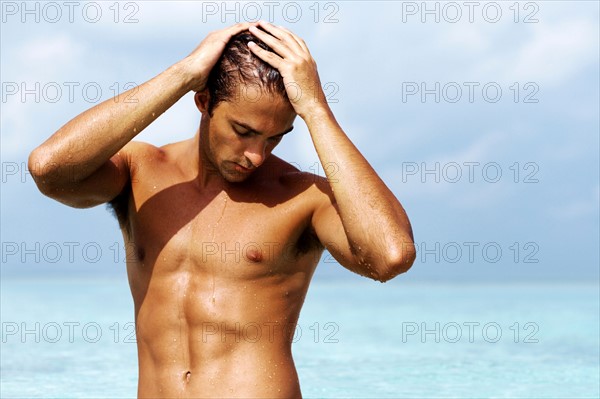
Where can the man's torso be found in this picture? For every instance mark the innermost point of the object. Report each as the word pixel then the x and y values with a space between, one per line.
pixel 218 278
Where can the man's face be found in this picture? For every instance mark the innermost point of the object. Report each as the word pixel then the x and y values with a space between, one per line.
pixel 242 132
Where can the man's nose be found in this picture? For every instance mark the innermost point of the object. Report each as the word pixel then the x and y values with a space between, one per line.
pixel 256 154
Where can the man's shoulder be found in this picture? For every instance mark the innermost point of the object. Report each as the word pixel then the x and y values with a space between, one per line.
pixel 289 178
pixel 143 159
pixel 291 172
pixel 142 156
pixel 136 150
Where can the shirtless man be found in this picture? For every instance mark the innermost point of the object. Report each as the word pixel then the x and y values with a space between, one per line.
pixel 222 237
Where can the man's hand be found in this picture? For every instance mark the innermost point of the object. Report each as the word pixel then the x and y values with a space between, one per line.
pixel 77 165
pixel 201 61
pixel 293 60
pixel 359 220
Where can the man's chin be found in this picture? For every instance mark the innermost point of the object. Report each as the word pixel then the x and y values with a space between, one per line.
pixel 236 179
pixel 233 176
pixel 234 173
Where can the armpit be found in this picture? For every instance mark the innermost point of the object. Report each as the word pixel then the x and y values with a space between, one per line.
pixel 119 208
pixel 308 241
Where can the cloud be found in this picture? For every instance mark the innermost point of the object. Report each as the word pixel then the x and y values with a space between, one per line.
pixel 38 63
pixel 583 206
pixel 470 38
pixel 555 53
pixel 368 54
pixel 478 151
pixel 548 53
pixel 55 51
pixel 478 177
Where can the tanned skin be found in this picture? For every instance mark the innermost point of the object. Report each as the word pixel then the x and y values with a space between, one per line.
pixel 222 237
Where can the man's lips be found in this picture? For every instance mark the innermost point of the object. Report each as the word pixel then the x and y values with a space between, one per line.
pixel 241 168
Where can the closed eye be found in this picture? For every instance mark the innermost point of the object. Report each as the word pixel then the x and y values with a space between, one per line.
pixel 240 131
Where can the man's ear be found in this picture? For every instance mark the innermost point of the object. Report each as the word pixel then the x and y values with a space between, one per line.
pixel 201 98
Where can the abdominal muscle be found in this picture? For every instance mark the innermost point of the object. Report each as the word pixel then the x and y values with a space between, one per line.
pixel 204 336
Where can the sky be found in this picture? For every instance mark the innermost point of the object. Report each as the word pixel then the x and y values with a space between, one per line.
pixel 481 117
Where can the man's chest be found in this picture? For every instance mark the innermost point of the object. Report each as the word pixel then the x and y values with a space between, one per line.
pixel 177 225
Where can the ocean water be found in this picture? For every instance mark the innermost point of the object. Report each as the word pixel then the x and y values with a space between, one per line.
pixel 73 338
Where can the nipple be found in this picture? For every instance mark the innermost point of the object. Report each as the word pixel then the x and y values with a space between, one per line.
pixel 254 255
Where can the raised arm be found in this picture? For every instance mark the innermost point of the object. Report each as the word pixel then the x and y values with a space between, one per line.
pixel 360 221
pixel 85 163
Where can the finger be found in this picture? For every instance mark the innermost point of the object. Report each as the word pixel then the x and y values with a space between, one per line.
pixel 278 35
pixel 296 38
pixel 223 36
pixel 272 29
pixel 281 33
pixel 267 56
pixel 237 28
pixel 276 45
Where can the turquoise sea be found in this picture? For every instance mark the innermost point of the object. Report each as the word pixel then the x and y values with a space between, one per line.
pixel 73 338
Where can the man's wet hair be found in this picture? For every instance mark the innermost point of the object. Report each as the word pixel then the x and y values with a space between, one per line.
pixel 238 67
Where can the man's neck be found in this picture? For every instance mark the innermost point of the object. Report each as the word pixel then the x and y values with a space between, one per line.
pixel 208 176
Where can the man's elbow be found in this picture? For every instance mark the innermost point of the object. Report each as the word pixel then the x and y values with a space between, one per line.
pixel 399 260
pixel 46 172
pixel 40 168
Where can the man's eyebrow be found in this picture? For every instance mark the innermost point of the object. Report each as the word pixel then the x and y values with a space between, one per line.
pixel 251 129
